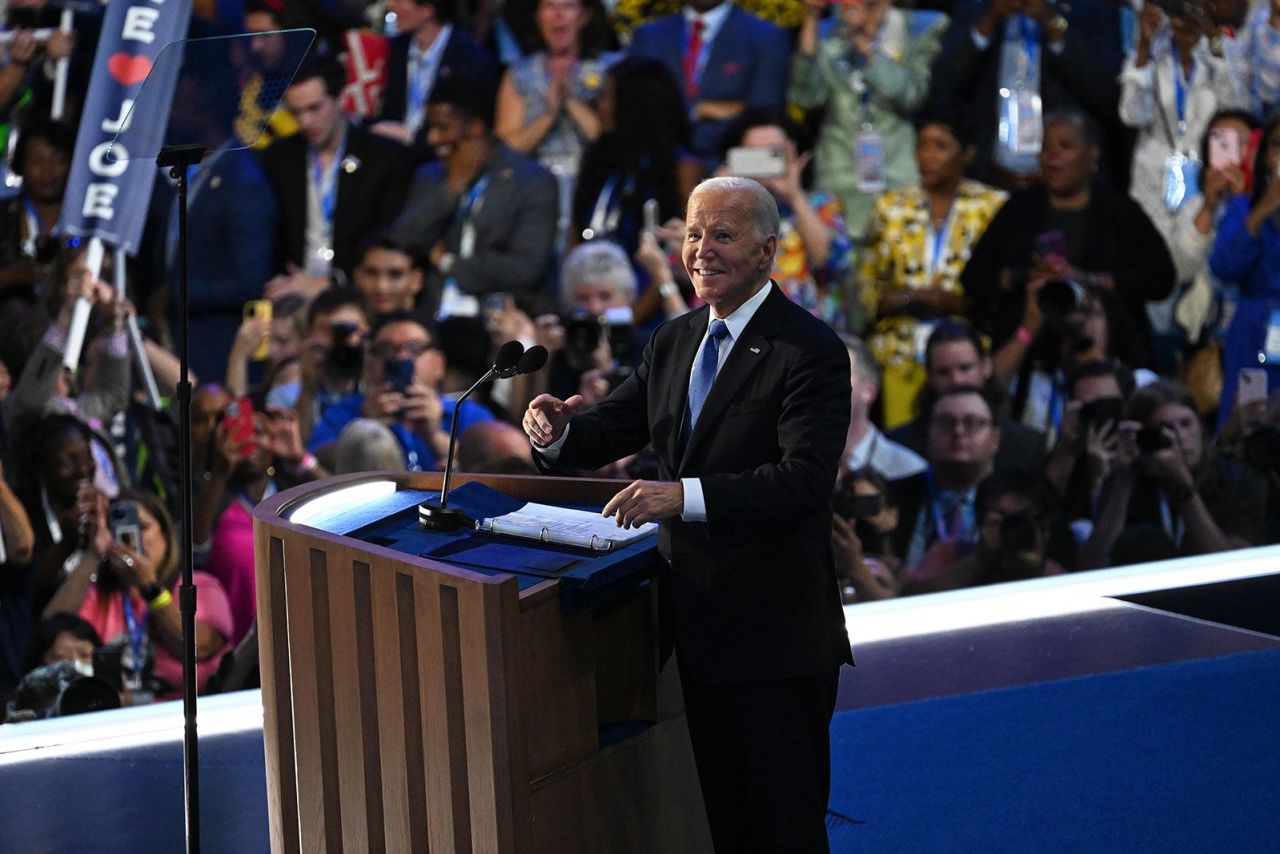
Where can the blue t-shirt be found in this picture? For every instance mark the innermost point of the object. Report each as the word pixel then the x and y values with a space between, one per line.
pixel 418 455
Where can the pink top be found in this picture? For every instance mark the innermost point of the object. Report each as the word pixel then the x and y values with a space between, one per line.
pixel 106 615
pixel 231 561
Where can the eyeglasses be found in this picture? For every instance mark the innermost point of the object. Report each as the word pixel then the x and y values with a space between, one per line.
pixel 967 423
pixel 407 350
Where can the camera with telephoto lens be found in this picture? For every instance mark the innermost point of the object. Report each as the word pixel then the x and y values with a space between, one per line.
pixel 847 504
pixel 342 359
pixel 1058 299
pixel 583 331
pixel 63 688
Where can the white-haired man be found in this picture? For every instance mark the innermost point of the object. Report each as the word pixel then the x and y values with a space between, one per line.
pixel 746 404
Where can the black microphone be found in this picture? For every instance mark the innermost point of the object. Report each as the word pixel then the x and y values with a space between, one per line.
pixel 532 360
pixel 436 514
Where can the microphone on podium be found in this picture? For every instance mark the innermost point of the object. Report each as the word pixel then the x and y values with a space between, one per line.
pixel 512 359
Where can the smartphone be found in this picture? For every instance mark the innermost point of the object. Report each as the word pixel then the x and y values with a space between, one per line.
pixel 1051 243
pixel 238 420
pixel 398 372
pixel 651 215
pixel 757 161
pixel 125 528
pixel 259 308
pixel 1251 385
pixel 1225 148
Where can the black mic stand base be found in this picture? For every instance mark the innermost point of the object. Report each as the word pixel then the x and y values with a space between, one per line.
pixel 435 517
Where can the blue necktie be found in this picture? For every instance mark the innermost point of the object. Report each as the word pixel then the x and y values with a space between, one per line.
pixel 704 373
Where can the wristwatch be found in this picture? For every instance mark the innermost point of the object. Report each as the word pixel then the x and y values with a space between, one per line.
pixel 150 591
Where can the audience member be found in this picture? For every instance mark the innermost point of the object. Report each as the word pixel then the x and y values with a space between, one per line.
pixel 494 446
pixel 865 447
pixel 428 47
pixel 815 255
pixel 334 183
pixel 42 159
pixel 365 444
pixel 1011 64
pixel 1012 512
pixel 389 275
pixel 726 60
pixel 862 524
pixel 260 119
pixel 1166 477
pixel 548 100
pixel 1260 53
pixel 126 587
pixel 403 390
pixel 1071 227
pixel 956 355
pixel 1246 253
pixel 640 156
pixel 332 357
pixel 938 504
pixel 868 67
pixel 483 215
pixel 17 546
pixel 62 637
pixel 918 241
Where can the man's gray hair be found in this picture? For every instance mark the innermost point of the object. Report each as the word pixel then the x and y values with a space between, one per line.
pixel 763 207
pixel 597 262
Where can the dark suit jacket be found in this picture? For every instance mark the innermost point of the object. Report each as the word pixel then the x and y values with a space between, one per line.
pixel 1083 76
pixel 369 197
pixel 515 227
pixel 748 61
pixel 751 591
pixel 462 58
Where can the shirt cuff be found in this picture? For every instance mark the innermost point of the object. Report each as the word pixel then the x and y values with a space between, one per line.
pixel 695 506
pixel 980 41
pixel 551 452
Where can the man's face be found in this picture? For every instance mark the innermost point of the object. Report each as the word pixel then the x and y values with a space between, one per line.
pixel 408 340
pixel 726 260
pixel 956 363
pixel 388 280
pixel 1185 424
pixel 961 432
pixel 319 115
pixel 595 297
pixel 445 129
pixel 68 647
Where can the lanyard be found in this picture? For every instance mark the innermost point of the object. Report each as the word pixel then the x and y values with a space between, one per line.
pixel 137 626
pixel 1180 92
pixel 324 182
pixel 936 243
pixel 466 215
pixel 604 217
pixel 941 528
pixel 1175 530
pixel 35 227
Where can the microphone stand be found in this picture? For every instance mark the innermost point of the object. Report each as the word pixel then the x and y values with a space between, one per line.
pixel 436 514
pixel 178 158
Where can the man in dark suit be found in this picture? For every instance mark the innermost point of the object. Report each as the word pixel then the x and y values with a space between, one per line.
pixel 334 183
pixel 484 216
pixel 428 47
pixel 726 61
pixel 746 404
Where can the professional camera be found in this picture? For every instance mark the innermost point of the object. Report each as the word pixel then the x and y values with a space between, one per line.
pixel 583 332
pixel 1151 440
pixel 343 359
pixel 1058 299
pixel 63 688
pixel 849 505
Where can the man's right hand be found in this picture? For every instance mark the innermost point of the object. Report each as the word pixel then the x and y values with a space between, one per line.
pixel 547 416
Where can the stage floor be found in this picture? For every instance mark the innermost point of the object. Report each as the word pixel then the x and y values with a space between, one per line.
pixel 1033 717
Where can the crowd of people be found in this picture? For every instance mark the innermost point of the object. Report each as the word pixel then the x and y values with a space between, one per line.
pixel 1049 235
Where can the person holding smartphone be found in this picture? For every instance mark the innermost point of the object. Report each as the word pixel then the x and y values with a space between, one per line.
pixel 1246 254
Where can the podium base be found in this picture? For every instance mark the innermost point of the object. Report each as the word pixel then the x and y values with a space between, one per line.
pixel 436 518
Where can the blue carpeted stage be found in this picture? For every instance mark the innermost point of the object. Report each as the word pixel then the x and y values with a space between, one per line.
pixel 1040 716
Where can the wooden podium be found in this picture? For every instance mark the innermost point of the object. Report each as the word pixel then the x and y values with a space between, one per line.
pixel 413 706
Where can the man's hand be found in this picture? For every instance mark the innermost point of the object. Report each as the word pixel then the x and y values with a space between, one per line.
pixel 547 416
pixel 295 281
pixel 645 501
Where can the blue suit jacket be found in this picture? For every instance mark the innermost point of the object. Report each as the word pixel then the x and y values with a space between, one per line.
pixel 748 61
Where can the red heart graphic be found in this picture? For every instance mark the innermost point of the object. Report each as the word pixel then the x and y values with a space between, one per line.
pixel 127 69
